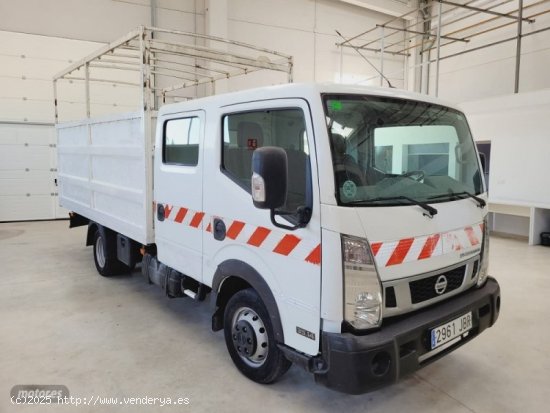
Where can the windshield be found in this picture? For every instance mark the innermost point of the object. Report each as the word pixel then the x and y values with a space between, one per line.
pixel 389 151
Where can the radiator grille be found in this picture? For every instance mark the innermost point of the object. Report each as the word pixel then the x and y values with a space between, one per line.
pixel 424 289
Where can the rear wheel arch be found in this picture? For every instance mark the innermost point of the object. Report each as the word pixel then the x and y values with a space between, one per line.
pixel 233 276
pixel 92 228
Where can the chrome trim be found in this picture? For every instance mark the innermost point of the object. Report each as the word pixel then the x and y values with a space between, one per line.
pixel 403 293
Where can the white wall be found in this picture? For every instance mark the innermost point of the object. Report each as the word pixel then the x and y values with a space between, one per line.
pixel 29 62
pixel 490 71
pixel 518 127
pixel 305 29
pixel 27 172
pixel 97 20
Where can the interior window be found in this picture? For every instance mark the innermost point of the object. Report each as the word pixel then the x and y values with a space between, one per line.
pixel 181 141
pixel 246 131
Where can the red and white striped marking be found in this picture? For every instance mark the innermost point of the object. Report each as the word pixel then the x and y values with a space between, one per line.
pixel 424 247
pixel 289 245
pixel 278 242
pixel 183 216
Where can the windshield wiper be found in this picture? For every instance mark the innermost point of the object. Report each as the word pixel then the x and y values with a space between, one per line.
pixel 430 211
pixel 462 195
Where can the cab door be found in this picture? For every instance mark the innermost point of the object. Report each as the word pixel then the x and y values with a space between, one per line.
pixel 178 191
pixel 288 261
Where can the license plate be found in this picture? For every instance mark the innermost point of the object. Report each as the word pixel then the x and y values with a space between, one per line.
pixel 453 329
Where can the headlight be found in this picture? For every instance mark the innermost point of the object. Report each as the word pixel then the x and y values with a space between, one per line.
pixel 484 259
pixel 362 289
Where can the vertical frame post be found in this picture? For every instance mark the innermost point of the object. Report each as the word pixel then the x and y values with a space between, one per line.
pixel 147 124
pixel 405 65
pixel 518 45
pixel 341 63
pixel 438 49
pixel 87 87
pixel 290 69
pixel 89 127
pixel 382 56
pixel 154 13
pixel 146 85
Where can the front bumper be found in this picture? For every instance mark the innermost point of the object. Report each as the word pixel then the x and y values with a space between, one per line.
pixel 359 364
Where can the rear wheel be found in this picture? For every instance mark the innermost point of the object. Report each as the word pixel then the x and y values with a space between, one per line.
pixel 250 338
pixel 105 258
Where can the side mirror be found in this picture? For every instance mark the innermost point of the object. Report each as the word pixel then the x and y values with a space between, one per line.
pixel 269 177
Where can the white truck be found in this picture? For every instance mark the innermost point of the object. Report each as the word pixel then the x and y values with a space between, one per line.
pixel 342 229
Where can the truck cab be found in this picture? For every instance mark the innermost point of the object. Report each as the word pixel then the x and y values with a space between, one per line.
pixel 340 228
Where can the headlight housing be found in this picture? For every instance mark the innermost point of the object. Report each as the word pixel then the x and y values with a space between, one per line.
pixel 362 288
pixel 484 256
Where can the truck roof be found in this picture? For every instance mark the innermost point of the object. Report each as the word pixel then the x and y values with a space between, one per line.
pixel 297 90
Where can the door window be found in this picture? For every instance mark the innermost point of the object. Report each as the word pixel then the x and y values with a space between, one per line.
pixel 181 141
pixel 285 128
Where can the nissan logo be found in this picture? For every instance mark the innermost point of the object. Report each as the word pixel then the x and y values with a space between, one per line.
pixel 441 285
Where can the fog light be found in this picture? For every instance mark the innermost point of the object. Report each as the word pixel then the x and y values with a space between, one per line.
pixel 380 364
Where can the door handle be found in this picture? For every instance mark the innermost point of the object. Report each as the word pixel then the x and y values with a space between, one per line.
pixel 160 212
pixel 219 229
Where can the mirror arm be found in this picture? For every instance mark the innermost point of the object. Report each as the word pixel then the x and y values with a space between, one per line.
pixel 304 214
pixel 272 214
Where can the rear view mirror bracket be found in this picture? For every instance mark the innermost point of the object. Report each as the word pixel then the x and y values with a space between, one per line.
pixel 304 216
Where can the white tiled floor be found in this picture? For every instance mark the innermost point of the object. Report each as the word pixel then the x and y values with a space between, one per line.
pixel 61 323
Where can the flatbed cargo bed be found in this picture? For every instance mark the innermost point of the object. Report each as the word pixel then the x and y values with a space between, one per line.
pixel 105 173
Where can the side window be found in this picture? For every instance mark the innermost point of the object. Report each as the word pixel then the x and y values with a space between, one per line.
pixel 181 141
pixel 244 132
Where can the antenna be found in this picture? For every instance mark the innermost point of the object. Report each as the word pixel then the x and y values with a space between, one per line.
pixel 365 58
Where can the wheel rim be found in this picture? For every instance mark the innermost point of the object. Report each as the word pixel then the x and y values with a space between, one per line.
pixel 249 337
pixel 100 252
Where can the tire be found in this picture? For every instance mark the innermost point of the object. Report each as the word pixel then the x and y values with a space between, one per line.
pixel 250 339
pixel 105 258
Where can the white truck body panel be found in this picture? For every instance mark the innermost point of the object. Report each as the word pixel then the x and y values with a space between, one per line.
pixel 105 173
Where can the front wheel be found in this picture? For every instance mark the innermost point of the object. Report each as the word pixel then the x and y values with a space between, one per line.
pixel 250 338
